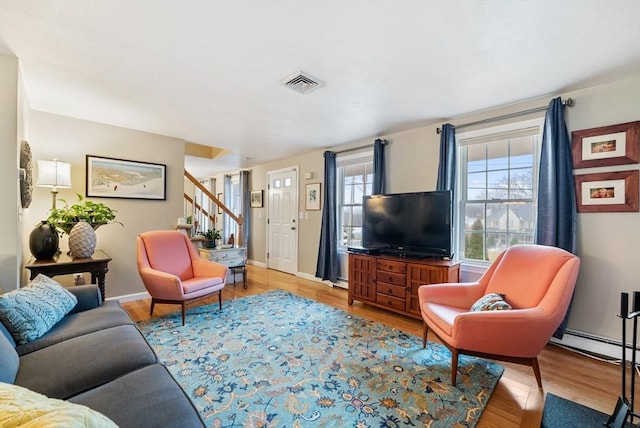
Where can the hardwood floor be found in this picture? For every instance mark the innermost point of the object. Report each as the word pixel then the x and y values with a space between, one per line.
pixel 516 401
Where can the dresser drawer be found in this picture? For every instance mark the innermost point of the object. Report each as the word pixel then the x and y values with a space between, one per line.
pixel 392 266
pixel 390 301
pixel 391 289
pixel 391 277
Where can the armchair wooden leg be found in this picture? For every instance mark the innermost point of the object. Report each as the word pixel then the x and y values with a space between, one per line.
pixel 454 366
pixel 184 309
pixel 425 330
pixel 536 371
pixel 220 299
pixel 153 303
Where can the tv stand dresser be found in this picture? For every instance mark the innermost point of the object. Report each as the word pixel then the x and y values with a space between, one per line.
pixel 392 282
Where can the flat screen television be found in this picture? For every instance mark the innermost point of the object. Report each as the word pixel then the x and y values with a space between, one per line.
pixel 408 224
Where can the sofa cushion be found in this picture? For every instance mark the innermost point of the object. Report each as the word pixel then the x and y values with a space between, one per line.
pixel 9 360
pixel 24 408
pixel 84 362
pixel 491 302
pixel 30 312
pixel 109 314
pixel 148 397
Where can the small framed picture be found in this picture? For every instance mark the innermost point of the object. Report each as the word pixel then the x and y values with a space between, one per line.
pixel 607 145
pixel 256 199
pixel 312 199
pixel 607 192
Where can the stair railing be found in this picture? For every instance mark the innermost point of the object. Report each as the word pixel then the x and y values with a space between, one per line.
pixel 238 240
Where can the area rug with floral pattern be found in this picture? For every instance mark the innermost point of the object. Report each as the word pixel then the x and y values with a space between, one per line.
pixel 280 360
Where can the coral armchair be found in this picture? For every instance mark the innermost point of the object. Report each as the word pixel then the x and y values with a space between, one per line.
pixel 172 271
pixel 536 280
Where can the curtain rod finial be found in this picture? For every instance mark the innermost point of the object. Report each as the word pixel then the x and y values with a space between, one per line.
pixel 568 102
pixel 438 130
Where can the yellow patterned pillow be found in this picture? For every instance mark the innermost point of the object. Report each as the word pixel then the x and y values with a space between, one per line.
pixel 20 407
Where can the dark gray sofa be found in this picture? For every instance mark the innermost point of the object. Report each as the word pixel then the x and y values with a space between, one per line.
pixel 97 357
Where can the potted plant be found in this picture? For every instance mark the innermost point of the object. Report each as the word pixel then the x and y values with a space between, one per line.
pixel 211 238
pixel 94 213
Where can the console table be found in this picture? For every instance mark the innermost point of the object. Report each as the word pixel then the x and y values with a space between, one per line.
pixel 392 283
pixel 64 264
pixel 233 258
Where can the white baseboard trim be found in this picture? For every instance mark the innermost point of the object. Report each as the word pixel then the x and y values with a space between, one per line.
pixel 130 297
pixel 342 283
pixel 314 278
pixel 607 347
pixel 255 263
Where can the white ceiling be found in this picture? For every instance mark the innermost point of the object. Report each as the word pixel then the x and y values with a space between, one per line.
pixel 209 72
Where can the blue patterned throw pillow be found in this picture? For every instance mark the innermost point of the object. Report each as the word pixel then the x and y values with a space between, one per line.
pixel 491 302
pixel 30 312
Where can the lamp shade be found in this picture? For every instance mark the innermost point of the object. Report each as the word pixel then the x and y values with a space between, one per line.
pixel 53 173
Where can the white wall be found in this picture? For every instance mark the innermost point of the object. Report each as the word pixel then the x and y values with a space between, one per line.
pixel 9 208
pixel 607 242
pixel 69 139
pixel 412 166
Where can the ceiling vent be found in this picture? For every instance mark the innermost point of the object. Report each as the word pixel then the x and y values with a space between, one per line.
pixel 302 82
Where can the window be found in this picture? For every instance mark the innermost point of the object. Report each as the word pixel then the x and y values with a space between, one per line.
pixel 232 201
pixel 354 180
pixel 204 221
pixel 497 190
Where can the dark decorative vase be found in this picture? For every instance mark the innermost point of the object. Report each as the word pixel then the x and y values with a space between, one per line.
pixel 43 241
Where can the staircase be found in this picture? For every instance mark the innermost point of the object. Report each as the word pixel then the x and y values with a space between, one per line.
pixel 203 215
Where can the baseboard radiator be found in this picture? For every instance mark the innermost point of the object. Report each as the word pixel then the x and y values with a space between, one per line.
pixel 603 347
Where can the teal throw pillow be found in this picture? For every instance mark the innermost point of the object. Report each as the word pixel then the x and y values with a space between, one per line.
pixel 31 311
pixel 491 302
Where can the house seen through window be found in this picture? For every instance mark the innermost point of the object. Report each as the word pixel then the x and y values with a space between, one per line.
pixel 497 191
pixel 354 180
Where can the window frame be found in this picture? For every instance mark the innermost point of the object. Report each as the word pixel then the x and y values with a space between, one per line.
pixel 342 161
pixel 484 136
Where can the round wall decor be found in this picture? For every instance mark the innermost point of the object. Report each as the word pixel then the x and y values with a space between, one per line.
pixel 26 178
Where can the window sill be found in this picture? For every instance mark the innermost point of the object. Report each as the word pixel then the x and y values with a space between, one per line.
pixel 474 268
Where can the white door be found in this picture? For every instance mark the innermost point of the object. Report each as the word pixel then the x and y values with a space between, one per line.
pixel 282 253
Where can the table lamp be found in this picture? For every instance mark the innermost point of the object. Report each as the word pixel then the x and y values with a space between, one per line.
pixel 54 174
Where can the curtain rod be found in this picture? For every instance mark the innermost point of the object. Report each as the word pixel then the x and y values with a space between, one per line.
pixel 568 103
pixel 353 149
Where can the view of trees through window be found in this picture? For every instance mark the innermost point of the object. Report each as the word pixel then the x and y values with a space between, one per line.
pixel 498 195
pixel 355 180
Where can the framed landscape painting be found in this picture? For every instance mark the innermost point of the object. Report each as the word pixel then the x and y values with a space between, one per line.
pixel 119 178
